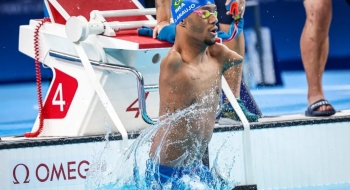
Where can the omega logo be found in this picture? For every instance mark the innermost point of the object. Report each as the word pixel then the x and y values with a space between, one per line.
pixel 72 171
pixel 26 180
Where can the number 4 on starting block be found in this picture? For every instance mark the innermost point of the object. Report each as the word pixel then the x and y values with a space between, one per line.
pixel 60 96
pixel 59 100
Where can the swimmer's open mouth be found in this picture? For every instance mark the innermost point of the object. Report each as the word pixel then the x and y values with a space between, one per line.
pixel 214 30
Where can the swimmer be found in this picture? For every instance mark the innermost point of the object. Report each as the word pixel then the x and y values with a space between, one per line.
pixel 230 13
pixel 190 74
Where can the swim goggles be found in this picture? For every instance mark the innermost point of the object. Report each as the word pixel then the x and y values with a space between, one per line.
pixel 205 13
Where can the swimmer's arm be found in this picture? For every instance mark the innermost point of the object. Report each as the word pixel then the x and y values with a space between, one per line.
pixel 163 10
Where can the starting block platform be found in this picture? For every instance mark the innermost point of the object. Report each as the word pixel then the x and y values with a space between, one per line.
pixel 105 89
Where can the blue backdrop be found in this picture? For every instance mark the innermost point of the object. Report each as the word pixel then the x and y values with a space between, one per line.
pixel 285 18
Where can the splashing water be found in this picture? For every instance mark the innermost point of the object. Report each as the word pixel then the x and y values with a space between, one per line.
pixel 115 169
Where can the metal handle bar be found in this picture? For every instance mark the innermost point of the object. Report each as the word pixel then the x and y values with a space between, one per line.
pixel 119 68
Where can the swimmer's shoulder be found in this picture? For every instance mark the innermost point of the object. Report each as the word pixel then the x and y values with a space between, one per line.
pixel 217 50
pixel 172 61
pixel 223 54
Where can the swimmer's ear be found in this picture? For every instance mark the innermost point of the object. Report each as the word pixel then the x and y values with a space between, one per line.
pixel 183 23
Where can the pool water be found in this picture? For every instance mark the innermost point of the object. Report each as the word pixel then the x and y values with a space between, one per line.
pixel 127 169
pixel 111 169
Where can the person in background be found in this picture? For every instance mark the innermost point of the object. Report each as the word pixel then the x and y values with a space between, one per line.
pixel 314 46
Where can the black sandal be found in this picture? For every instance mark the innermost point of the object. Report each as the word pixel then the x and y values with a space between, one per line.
pixel 311 109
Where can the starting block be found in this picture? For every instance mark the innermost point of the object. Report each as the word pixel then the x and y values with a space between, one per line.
pixel 97 66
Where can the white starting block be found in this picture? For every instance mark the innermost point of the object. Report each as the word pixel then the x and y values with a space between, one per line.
pixel 109 43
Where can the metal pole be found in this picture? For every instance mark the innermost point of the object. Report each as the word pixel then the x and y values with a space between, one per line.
pixel 118 68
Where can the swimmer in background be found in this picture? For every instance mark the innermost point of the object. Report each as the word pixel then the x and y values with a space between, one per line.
pixel 190 74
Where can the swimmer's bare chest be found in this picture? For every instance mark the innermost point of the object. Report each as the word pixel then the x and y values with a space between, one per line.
pixel 204 83
pixel 192 84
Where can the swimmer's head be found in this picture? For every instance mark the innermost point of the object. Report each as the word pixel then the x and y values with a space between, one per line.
pixel 196 20
pixel 181 9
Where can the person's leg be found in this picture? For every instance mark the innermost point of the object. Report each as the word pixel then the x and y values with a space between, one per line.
pixel 314 44
pixel 234 74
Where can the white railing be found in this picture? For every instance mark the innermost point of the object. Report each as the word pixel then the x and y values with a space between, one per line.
pixel 246 133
